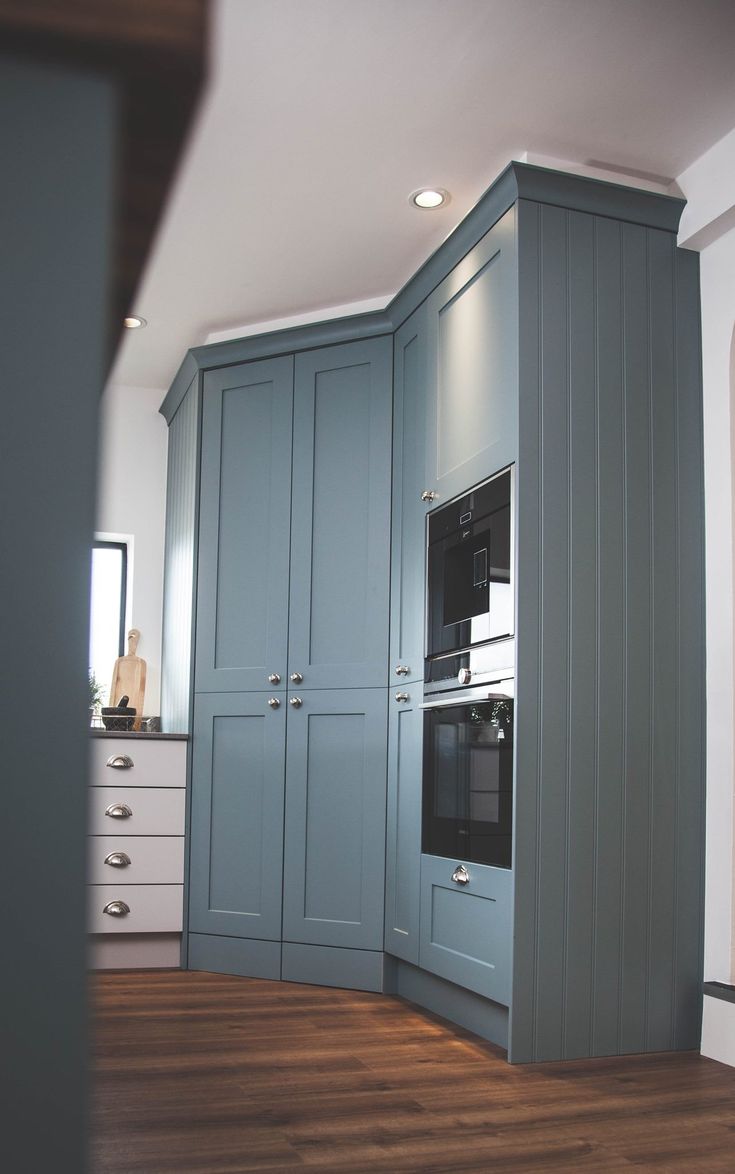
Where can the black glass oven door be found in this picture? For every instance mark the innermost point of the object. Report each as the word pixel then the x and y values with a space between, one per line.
pixel 468 781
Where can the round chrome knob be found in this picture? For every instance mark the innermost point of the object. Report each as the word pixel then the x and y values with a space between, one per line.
pixel 295 701
pixel 464 676
pixel 401 696
pixel 402 670
pixel 119 811
pixel 273 702
pixel 297 678
pixel 118 860
pixel 116 908
pixel 428 495
pixel 274 679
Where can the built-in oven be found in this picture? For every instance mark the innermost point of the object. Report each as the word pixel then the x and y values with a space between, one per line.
pixel 467 807
pixel 470 586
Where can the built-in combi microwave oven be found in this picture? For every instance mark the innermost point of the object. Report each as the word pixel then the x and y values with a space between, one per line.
pixel 470 603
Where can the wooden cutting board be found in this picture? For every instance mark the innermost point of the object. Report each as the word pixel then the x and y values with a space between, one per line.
pixel 128 676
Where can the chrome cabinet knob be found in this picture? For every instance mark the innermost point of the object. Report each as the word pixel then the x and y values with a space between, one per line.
pixel 429 495
pixel 116 909
pixel 402 697
pixel 274 678
pixel 464 676
pixel 119 811
pixel 273 702
pixel 297 678
pixel 460 876
pixel 295 701
pixel 120 762
pixel 402 670
pixel 118 860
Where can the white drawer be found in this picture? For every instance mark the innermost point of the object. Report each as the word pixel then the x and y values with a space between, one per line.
pixel 153 908
pixel 154 860
pixel 158 763
pixel 155 811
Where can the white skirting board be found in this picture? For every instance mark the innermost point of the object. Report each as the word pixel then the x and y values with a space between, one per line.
pixel 134 951
pixel 718 1030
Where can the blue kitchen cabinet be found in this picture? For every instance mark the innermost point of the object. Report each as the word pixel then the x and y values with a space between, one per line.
pixel 293 590
pixel 340 521
pixel 472 358
pixel 403 831
pixel 408 541
pixel 236 829
pixel 335 818
pixel 244 522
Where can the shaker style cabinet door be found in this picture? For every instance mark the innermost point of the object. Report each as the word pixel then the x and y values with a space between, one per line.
pixel 335 819
pixel 340 524
pixel 403 830
pixel 245 503
pixel 473 366
pixel 237 816
pixel 409 511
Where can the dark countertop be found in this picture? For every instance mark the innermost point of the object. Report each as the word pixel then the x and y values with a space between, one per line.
pixel 140 737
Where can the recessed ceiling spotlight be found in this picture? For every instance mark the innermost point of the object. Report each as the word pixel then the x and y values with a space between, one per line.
pixel 134 322
pixel 429 198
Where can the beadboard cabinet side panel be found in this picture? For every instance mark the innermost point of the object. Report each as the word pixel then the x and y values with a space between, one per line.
pixel 245 496
pixel 340 524
pixel 604 649
pixel 179 563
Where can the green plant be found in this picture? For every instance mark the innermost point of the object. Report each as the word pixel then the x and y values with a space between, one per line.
pixel 96 691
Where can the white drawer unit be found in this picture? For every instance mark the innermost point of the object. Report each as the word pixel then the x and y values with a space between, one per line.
pixel 135 908
pixel 135 862
pixel 129 811
pixel 137 763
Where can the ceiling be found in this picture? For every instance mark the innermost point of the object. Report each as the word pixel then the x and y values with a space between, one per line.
pixel 322 116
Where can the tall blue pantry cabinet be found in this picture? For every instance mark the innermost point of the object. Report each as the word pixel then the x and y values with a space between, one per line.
pixel 287 821
pixel 556 331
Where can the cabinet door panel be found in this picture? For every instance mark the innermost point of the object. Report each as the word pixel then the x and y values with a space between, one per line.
pixel 409 511
pixel 335 819
pixel 473 331
pixel 237 816
pixel 403 832
pixel 340 549
pixel 242 595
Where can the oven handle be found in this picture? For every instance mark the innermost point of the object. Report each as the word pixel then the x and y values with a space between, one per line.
pixel 475 695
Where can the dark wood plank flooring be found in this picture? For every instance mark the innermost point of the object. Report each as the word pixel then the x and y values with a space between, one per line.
pixel 202 1072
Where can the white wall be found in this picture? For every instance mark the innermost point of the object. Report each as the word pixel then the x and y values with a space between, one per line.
pixel 709 185
pixel 131 502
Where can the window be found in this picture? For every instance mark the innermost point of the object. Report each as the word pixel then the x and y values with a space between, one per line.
pixel 108 597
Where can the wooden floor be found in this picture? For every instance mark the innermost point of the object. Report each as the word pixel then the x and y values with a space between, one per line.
pixel 201 1072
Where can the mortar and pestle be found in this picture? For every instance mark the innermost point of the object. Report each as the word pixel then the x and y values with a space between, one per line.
pixel 118 717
